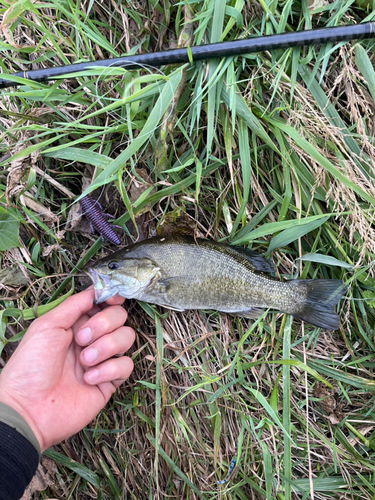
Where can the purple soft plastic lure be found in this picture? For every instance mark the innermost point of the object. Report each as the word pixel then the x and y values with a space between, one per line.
pixel 98 220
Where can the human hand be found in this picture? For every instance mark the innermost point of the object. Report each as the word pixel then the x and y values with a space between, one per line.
pixel 57 383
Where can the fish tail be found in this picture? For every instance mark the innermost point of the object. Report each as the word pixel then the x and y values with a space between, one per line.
pixel 321 296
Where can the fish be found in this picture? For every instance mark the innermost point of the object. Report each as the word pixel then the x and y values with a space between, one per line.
pixel 181 273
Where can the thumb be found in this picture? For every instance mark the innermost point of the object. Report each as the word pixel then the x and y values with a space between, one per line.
pixel 49 337
pixel 68 312
pixel 53 330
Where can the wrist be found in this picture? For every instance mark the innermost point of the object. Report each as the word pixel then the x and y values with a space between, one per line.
pixel 14 415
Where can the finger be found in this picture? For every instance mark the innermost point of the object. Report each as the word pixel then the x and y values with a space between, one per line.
pixel 94 310
pixel 114 301
pixel 68 312
pixel 81 322
pixel 107 346
pixel 105 321
pixel 84 319
pixel 119 382
pixel 115 369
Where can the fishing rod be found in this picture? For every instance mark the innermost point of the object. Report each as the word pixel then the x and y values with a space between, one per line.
pixel 202 52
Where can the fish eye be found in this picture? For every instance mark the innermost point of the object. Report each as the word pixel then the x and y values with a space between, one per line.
pixel 113 265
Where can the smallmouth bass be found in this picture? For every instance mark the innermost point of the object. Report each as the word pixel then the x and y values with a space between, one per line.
pixel 182 273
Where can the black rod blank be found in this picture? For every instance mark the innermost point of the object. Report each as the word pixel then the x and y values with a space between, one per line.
pixel 201 52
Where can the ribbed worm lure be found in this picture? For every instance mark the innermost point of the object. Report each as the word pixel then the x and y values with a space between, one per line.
pixel 98 220
pixel 231 467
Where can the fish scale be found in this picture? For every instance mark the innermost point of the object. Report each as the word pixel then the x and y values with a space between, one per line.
pixel 214 280
pixel 185 273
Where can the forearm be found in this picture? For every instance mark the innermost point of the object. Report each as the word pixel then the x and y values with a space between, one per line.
pixel 19 453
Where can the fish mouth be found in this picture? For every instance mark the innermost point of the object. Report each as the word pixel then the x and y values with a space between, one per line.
pixel 101 286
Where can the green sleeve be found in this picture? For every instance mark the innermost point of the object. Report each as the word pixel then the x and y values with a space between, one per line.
pixel 10 417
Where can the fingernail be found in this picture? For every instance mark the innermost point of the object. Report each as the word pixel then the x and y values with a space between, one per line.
pixel 92 375
pixel 85 335
pixel 90 354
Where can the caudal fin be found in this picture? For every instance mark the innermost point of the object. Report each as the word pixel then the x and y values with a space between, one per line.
pixel 322 296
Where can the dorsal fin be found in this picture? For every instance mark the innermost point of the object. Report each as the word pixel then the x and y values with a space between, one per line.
pixel 259 262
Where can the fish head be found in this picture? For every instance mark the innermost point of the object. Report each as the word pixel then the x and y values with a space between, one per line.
pixel 125 277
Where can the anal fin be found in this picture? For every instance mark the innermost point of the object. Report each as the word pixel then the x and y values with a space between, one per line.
pixel 252 313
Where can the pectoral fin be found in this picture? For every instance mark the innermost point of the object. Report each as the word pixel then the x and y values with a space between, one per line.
pixel 168 284
pixel 167 288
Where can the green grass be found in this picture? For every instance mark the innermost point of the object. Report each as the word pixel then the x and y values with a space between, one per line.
pixel 274 151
